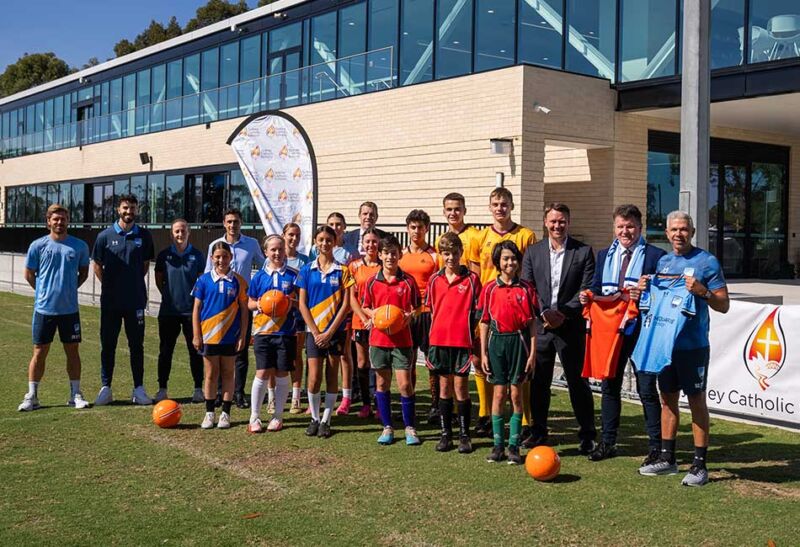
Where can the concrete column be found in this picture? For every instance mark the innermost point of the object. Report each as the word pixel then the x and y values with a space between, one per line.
pixel 695 115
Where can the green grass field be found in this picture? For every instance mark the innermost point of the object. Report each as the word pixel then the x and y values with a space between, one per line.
pixel 108 476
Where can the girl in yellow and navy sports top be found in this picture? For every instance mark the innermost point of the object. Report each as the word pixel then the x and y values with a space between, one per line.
pixel 220 311
pixel 324 302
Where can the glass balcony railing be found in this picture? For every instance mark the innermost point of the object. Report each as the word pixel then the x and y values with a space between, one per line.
pixel 343 77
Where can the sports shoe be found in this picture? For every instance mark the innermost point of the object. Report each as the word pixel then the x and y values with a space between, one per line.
pixel 365 412
pixel 464 445
pixel 587 446
pixel 240 400
pixel 295 408
pixel 308 411
pixel 275 424
pixel 534 440
pixel 140 397
pixel 659 467
pixel 312 429
pixel 255 426
pixel 603 451
pixel 433 415
pixel 29 402
pixel 483 427
pixel 161 394
pixel 513 456
pixel 412 439
pixel 78 401
pixel 197 396
pixel 324 431
pixel 652 457
pixel 208 421
pixel 445 444
pixel 387 437
pixel 498 454
pixel 344 407
pixel 697 476
pixel 224 421
pixel 271 407
pixel 104 396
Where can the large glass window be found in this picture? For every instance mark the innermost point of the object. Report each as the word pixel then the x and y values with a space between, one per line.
pixel 174 206
pixel 591 37
pixel 774 30
pixel 191 89
pixel 647 39
pixel 285 38
pixel 240 198
pixel 209 84
pixel 250 70
pixel 453 37
pixel 416 41
pixel 155 194
pixel 76 203
pixel 495 24
pixel 323 53
pixel 129 104
pixel 142 102
pixel 139 189
pixel 174 92
pixel 352 41
pixel 383 21
pixel 228 78
pixel 213 197
pixel 159 96
pixel 727 33
pixel 541 26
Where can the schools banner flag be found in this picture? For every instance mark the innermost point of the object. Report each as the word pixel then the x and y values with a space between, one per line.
pixel 755 363
pixel 279 166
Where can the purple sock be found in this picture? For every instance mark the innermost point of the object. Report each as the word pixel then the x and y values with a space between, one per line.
pixel 407 404
pixel 384 402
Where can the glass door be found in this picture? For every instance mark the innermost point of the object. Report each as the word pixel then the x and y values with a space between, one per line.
pixel 283 88
pixel 102 207
pixel 766 223
pixel 734 219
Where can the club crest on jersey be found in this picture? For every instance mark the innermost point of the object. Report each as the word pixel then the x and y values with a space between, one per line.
pixel 399 291
pixel 764 352
pixel 676 301
pixel 462 288
pixel 138 241
pixel 285 285
pixel 334 281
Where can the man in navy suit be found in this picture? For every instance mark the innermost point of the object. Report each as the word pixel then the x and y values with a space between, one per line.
pixel 621 265
pixel 367 217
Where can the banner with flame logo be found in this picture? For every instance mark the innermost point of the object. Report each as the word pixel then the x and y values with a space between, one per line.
pixel 754 370
pixel 279 166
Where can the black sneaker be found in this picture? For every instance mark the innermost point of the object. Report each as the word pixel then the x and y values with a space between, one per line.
pixel 445 444
pixel 535 440
pixel 312 429
pixel 498 454
pixel 324 430
pixel 587 446
pixel 464 445
pixel 433 415
pixel 652 457
pixel 603 451
pixel 240 400
pixel 483 428
pixel 513 456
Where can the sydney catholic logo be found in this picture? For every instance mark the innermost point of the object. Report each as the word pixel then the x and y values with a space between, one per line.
pixel 765 351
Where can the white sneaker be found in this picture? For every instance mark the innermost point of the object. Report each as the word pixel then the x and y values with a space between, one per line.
pixel 197 396
pixel 208 421
pixel 78 401
pixel 161 395
pixel 140 397
pixel 104 397
pixel 224 421
pixel 29 402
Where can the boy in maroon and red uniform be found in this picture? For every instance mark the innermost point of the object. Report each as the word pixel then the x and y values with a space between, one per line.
pixel 452 295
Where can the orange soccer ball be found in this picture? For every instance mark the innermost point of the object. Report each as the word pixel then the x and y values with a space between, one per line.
pixel 167 413
pixel 274 303
pixel 542 463
pixel 389 319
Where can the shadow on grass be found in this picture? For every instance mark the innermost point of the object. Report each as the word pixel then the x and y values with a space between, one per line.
pixel 565 478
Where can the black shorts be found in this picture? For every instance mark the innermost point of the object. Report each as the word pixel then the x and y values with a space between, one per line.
pixel 420 331
pixel 335 348
pixel 275 351
pixel 44 328
pixel 442 360
pixel 222 350
pixel 688 372
pixel 361 336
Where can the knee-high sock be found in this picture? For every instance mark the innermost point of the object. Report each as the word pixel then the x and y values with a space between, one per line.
pixel 433 383
pixel 527 419
pixel 384 402
pixel 464 417
pixel 498 429
pixel 484 390
pixel 446 416
pixel 407 406
pixel 363 384
pixel 270 395
pixel 330 402
pixel 281 393
pixel 257 398
pixel 313 402
pixel 516 427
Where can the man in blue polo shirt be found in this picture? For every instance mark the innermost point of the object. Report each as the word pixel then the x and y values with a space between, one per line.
pixel 246 253
pixel 56 265
pixel 122 254
pixel 177 269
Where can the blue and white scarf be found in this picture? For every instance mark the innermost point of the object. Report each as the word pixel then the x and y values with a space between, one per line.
pixel 614 262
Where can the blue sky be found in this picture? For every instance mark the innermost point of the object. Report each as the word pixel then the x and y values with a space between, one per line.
pixel 76 30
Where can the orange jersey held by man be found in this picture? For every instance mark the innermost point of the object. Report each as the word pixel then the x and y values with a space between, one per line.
pixel 607 317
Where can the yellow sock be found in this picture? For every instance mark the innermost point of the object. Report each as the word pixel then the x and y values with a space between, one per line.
pixel 527 419
pixel 484 390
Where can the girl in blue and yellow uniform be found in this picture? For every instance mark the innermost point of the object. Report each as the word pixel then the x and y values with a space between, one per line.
pixel 220 312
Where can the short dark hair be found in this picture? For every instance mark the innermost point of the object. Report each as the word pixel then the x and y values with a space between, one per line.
pixel 502 246
pixel 628 212
pixel 388 242
pixel 130 198
pixel 451 243
pixel 221 245
pixel 418 215
pixel 503 193
pixel 371 231
pixel 338 215
pixel 232 211
pixel 454 196
pixel 557 206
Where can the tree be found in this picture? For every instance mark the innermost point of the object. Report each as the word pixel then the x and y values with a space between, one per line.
pixel 214 11
pixel 265 2
pixel 93 61
pixel 31 70
pixel 123 47
pixel 153 34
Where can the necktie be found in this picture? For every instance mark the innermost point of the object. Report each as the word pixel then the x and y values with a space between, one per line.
pixel 623 269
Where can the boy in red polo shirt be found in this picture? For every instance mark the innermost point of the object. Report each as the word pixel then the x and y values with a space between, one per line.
pixel 392 351
pixel 452 296
pixel 508 344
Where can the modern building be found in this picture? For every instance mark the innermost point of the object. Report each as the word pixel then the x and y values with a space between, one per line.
pixel 406 100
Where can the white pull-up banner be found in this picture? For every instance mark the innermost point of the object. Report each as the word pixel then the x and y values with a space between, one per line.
pixel 278 163
pixel 755 363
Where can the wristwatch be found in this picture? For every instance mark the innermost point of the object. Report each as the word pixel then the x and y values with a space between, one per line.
pixel 706 295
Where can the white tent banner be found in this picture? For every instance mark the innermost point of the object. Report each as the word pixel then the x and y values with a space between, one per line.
pixel 278 165
pixel 755 362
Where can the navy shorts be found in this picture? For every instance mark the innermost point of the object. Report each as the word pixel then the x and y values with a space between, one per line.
pixel 335 348
pixel 44 328
pixel 688 372
pixel 420 331
pixel 361 336
pixel 275 351
pixel 223 350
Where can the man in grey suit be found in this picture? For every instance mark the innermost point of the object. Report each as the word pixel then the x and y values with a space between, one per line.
pixel 560 267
